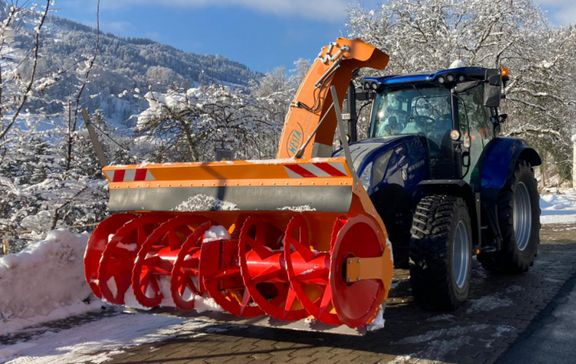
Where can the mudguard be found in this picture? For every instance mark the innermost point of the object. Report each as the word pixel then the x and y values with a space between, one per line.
pixel 498 162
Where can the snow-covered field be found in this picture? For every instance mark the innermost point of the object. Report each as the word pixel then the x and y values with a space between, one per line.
pixel 558 207
pixel 45 282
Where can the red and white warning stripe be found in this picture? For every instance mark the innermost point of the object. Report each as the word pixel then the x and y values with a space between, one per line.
pixel 130 175
pixel 308 170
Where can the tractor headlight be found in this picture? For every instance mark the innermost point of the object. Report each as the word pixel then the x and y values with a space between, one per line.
pixel 366 176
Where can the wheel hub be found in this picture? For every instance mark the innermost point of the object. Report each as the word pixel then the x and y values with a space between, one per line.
pixel 522 216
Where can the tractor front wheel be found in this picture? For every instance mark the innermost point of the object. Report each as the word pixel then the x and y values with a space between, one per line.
pixel 519 221
pixel 441 252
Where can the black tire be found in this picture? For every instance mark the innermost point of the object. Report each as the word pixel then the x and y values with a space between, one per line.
pixel 516 255
pixel 439 226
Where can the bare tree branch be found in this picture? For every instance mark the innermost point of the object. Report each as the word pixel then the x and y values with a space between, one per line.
pixel 27 91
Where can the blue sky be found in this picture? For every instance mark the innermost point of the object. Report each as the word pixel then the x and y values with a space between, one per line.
pixel 262 34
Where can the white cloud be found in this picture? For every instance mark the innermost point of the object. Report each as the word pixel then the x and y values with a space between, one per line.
pixel 561 12
pixel 328 10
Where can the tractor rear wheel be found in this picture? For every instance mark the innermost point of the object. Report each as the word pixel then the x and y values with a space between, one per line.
pixel 441 252
pixel 519 221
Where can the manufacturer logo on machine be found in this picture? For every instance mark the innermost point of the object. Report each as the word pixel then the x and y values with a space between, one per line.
pixel 295 140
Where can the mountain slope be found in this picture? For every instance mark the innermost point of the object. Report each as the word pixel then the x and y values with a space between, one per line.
pixel 124 67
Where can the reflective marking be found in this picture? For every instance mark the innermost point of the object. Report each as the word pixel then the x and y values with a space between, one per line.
pixel 118 175
pixel 300 170
pixel 140 174
pixel 129 175
pixel 317 172
pixel 309 170
pixel 334 169
pixel 110 175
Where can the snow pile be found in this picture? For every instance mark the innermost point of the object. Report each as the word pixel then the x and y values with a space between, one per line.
pixel 558 207
pixel 44 282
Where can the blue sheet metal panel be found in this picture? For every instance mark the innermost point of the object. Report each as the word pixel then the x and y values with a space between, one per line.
pixel 498 161
pixel 407 164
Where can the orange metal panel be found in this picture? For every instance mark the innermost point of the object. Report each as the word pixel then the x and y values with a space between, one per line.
pixel 334 66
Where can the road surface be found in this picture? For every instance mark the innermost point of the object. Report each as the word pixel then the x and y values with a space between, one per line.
pixel 495 324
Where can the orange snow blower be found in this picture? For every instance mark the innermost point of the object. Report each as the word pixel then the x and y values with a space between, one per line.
pixel 287 239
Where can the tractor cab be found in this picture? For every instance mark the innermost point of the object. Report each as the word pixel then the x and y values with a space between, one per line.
pixel 454 111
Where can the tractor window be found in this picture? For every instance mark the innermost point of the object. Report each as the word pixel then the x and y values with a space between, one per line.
pixel 476 114
pixel 424 110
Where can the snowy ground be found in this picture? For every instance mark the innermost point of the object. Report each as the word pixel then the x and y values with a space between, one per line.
pixel 97 341
pixel 45 283
pixel 558 206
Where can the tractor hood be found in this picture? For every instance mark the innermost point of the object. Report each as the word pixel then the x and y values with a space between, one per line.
pixel 366 151
pixel 399 160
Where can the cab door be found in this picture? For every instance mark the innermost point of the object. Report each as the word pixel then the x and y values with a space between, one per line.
pixel 475 127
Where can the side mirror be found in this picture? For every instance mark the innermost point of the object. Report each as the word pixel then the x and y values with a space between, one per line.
pixel 493 88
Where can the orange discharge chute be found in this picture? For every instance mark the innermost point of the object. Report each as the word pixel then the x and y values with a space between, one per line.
pixel 292 238
pixel 334 66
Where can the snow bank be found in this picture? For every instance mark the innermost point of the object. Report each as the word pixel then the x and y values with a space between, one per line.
pixel 44 282
pixel 558 207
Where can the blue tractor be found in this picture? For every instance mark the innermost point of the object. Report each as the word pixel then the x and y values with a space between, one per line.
pixel 446 185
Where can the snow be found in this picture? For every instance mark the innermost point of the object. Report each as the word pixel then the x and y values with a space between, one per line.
pixel 215 233
pixel 43 282
pixel 558 207
pixel 301 208
pixel 205 203
pixel 488 303
pixel 379 320
pixel 448 341
pixel 98 341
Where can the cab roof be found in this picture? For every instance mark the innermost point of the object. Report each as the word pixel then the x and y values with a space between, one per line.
pixel 460 74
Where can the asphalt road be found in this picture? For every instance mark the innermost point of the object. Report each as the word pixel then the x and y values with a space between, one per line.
pixel 551 337
pixel 523 318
